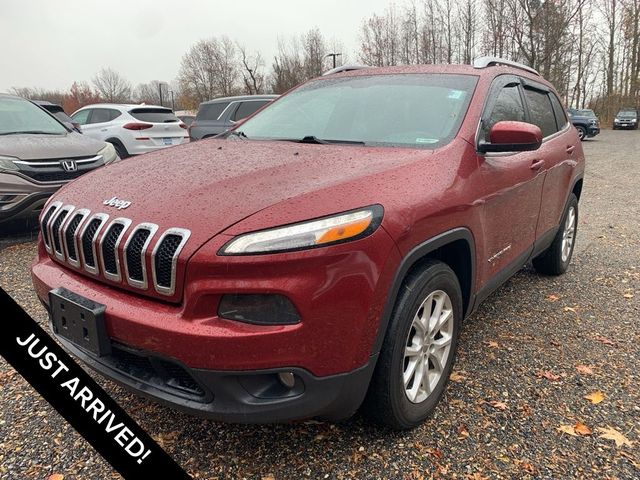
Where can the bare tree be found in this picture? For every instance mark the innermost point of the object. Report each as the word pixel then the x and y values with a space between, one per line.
pixel 111 86
pixel 210 69
pixel 252 71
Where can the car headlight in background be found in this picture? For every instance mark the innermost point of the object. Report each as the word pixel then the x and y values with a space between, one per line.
pixel 314 233
pixel 6 163
pixel 108 153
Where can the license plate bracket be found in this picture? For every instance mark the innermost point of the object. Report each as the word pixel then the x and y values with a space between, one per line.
pixel 79 320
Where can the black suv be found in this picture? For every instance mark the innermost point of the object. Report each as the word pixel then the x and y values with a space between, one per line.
pixel 585 121
pixel 626 118
pixel 219 115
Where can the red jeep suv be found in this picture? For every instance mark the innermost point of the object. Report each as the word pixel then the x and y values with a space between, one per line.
pixel 325 252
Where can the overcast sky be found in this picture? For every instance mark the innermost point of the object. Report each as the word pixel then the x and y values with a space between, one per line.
pixel 50 44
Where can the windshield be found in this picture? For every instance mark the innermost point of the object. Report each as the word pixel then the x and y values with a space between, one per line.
pixel 586 113
pixel 627 114
pixel 417 110
pixel 21 116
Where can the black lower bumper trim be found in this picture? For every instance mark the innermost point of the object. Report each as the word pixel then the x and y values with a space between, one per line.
pixel 236 396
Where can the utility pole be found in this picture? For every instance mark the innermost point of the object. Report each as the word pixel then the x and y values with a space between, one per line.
pixel 173 101
pixel 333 56
pixel 160 92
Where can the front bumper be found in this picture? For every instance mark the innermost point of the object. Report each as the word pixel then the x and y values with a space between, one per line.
pixel 593 130
pixel 21 198
pixel 232 396
pixel 339 291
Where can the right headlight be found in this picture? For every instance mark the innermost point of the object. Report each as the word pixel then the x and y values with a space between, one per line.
pixel 6 163
pixel 108 153
pixel 310 234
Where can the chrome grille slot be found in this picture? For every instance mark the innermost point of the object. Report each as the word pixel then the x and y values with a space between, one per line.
pixel 44 225
pixel 56 238
pixel 134 254
pixel 69 235
pixel 164 259
pixel 109 248
pixel 87 241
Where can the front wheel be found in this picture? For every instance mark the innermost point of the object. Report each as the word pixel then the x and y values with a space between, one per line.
pixel 582 133
pixel 555 260
pixel 419 348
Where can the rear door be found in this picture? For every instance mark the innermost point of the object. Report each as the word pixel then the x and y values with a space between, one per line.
pixel 98 124
pixel 208 121
pixel 559 150
pixel 166 129
pixel 513 184
pixel 246 109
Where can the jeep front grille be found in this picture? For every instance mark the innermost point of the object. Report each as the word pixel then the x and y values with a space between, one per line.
pixel 91 243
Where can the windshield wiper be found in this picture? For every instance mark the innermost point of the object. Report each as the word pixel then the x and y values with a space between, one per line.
pixel 36 132
pixel 322 141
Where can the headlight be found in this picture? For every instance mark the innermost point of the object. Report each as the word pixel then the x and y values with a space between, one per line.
pixel 6 163
pixel 108 153
pixel 315 233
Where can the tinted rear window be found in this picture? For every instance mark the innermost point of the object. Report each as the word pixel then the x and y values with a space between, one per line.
pixel 211 111
pixel 154 115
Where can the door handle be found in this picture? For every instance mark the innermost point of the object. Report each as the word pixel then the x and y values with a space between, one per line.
pixel 570 149
pixel 103 130
pixel 537 164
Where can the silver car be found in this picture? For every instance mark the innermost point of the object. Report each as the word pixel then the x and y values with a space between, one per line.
pixel 38 155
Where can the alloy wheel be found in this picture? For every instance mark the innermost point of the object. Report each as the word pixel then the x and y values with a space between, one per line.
pixel 428 346
pixel 569 233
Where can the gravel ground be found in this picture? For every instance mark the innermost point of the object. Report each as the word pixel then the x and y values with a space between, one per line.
pixel 516 407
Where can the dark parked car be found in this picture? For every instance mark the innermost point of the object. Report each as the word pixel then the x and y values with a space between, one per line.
pixel 626 118
pixel 219 115
pixel 38 155
pixel 585 121
pixel 58 112
pixel 322 254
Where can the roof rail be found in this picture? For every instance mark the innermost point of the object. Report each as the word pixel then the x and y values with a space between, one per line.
pixel 344 68
pixel 484 62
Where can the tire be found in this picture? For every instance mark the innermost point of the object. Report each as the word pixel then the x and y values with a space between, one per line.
pixel 555 259
pixel 582 133
pixel 388 399
pixel 120 149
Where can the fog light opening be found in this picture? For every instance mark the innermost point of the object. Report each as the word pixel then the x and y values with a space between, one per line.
pixel 287 379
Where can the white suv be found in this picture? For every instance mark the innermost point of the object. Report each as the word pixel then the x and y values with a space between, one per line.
pixel 132 129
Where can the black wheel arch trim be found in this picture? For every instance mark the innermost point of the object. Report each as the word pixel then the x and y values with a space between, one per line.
pixel 416 254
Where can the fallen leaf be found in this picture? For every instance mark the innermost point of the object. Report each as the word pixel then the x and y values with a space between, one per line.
pixel 604 340
pixel 584 369
pixel 595 397
pixel 552 377
pixel 611 433
pixel 570 309
pixel 462 430
pixel 582 429
pixel 268 476
pixel 628 295
pixel 491 344
pixel 553 298
pixel 456 377
pixel 568 429
pixel 55 476
pixel 498 405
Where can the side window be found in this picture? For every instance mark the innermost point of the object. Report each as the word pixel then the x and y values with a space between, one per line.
pixel 541 111
pixel 211 111
pixel 100 115
pixel 508 107
pixel 247 108
pixel 82 116
pixel 113 114
pixel 561 117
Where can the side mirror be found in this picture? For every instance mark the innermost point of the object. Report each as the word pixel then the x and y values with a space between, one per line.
pixel 512 137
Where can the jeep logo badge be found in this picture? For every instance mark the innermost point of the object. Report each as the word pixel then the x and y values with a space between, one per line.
pixel 119 204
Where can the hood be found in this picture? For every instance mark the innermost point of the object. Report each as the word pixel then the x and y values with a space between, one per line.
pixel 49 147
pixel 208 186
